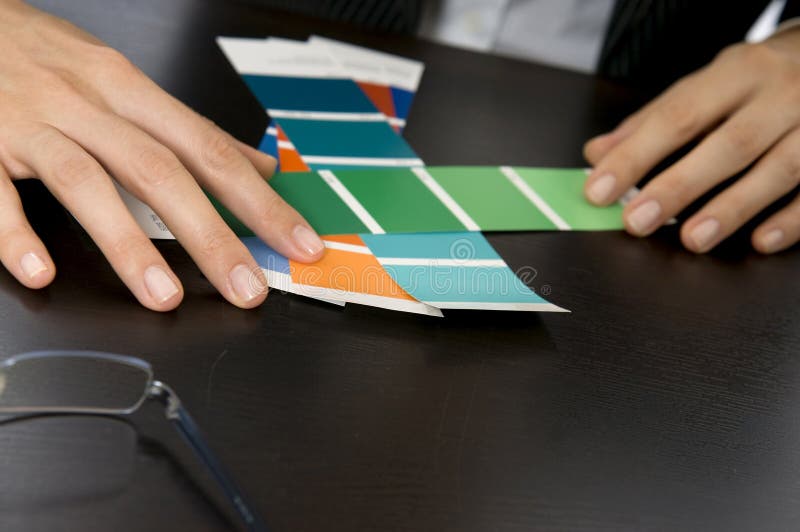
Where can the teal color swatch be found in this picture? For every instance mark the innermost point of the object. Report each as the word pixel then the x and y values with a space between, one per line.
pixel 308 94
pixel 334 138
pixel 458 246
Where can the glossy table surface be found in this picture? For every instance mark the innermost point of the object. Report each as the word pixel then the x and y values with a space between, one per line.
pixel 669 399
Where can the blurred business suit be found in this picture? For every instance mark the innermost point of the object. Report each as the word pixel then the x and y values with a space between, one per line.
pixel 647 42
pixel 654 42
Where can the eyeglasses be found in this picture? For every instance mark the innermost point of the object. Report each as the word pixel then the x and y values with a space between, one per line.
pixel 92 383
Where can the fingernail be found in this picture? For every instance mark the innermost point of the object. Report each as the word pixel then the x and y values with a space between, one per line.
pixel 705 234
pixel 307 240
pixel 159 284
pixel 772 240
pixel 32 265
pixel 601 188
pixel 644 217
pixel 246 283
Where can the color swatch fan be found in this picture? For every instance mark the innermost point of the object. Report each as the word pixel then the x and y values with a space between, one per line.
pixel 398 235
pixel 324 114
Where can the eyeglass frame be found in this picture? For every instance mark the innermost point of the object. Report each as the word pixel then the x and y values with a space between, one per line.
pixel 175 413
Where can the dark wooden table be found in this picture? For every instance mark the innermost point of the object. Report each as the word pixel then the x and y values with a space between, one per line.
pixel 668 400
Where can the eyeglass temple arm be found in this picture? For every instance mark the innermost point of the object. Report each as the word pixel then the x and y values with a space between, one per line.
pixel 188 429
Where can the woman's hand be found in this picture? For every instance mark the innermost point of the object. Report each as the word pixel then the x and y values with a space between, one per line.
pixel 75 112
pixel 746 107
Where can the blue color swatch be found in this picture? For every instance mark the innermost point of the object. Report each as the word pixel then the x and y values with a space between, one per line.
pixel 265 256
pixel 309 94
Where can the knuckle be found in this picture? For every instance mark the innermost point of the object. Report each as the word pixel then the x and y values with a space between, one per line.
pixel 113 62
pixel 12 232
pixel 729 52
pixel 37 134
pixel 274 207
pixel 790 81
pixel 741 212
pixel 749 55
pixel 626 162
pixel 679 117
pixel 685 191
pixel 157 167
pixel 9 197
pixel 675 190
pixel 218 153
pixel 215 243
pixel 74 170
pixel 734 208
pixel 51 82
pixel 790 74
pixel 51 93
pixel 129 246
pixel 743 141
pixel 790 162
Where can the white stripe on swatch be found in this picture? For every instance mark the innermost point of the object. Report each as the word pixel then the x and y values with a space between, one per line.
pixel 327 115
pixel 351 201
pixel 361 161
pixel 448 201
pixel 352 248
pixel 404 261
pixel 534 198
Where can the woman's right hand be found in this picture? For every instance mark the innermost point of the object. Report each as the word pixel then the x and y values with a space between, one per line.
pixel 76 112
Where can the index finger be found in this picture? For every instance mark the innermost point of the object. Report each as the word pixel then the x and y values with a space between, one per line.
pixel 219 166
pixel 675 118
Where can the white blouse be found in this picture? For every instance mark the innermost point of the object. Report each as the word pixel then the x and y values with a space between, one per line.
pixel 565 33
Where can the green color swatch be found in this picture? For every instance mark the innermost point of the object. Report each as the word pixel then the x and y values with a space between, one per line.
pixel 317 203
pixel 562 189
pixel 399 201
pixel 490 199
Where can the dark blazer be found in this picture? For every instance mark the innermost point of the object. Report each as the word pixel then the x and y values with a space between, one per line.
pixel 654 42
pixel 648 42
pixel 394 16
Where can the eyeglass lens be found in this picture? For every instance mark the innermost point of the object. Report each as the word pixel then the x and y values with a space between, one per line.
pixel 41 384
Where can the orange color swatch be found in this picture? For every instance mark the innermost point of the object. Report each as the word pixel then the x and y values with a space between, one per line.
pixel 348 271
pixel 288 156
pixel 380 96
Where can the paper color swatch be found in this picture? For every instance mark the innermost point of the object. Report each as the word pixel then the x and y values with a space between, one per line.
pixel 329 119
pixel 348 273
pixel 435 199
pixel 398 235
pixel 389 81
pixel 454 271
pixel 419 273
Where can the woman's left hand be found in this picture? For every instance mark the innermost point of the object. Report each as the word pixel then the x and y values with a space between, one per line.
pixel 745 106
